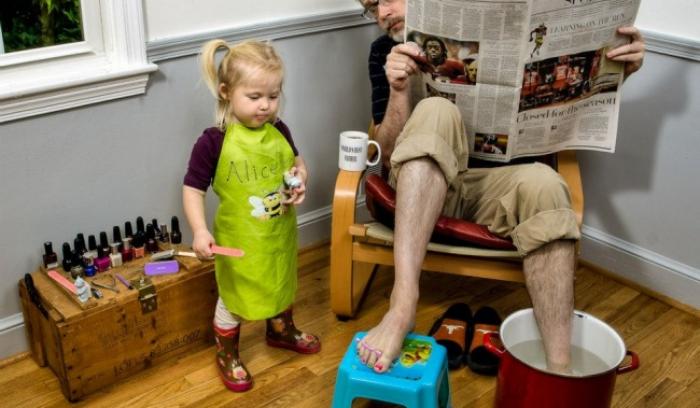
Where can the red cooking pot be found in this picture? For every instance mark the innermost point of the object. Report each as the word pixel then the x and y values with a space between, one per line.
pixel 523 382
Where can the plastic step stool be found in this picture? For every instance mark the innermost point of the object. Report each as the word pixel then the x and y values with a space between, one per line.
pixel 417 379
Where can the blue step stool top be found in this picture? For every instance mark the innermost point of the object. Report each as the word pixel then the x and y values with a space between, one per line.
pixel 417 379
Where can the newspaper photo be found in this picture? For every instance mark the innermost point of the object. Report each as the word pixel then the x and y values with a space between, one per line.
pixel 530 77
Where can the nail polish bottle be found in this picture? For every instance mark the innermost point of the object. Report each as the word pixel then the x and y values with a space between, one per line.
pixel 90 269
pixel 50 257
pixel 67 257
pixel 139 250
pixel 81 240
pixel 175 234
pixel 102 262
pixel 127 251
pixel 117 237
pixel 92 247
pixel 78 250
pixel 76 270
pixel 104 243
pixel 151 243
pixel 164 236
pixel 128 232
pixel 115 258
pixel 155 224
pixel 139 225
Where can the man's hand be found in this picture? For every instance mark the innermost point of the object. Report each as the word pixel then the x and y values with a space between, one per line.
pixel 631 54
pixel 401 64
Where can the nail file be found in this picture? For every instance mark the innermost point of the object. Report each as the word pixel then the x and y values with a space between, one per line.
pixel 186 253
pixel 161 268
pixel 227 251
pixel 62 280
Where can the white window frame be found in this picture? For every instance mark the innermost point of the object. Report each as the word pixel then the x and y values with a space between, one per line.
pixel 110 63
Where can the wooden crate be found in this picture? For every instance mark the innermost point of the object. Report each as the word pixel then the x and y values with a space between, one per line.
pixel 90 348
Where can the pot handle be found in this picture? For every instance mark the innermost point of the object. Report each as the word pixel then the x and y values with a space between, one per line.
pixel 492 348
pixel 633 365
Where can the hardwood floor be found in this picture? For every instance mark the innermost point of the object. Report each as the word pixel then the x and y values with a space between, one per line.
pixel 666 339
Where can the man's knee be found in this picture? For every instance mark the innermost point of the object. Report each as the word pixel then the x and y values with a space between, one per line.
pixel 543 187
pixel 436 105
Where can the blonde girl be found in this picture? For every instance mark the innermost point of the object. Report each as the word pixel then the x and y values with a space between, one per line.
pixel 245 158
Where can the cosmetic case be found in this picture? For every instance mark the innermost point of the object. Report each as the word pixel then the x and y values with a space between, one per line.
pixel 89 348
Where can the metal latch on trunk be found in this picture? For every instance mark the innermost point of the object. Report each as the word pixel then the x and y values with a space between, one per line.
pixel 147 294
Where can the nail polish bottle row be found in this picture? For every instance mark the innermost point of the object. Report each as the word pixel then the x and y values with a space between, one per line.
pixel 87 260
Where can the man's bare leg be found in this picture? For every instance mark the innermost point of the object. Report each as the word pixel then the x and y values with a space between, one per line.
pixel 549 277
pixel 420 196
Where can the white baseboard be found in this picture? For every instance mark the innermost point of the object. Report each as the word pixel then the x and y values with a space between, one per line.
pixel 649 269
pixel 12 337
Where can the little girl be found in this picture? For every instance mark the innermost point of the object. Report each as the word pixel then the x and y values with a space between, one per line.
pixel 245 160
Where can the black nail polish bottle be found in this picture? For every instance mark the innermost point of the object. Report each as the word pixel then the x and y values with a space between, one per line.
pixel 175 234
pixel 117 237
pixel 128 232
pixel 67 257
pixel 139 225
pixel 50 257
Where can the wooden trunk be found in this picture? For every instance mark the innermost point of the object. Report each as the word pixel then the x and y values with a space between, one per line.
pixel 89 348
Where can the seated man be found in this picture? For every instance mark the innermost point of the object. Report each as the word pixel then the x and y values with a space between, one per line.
pixel 425 149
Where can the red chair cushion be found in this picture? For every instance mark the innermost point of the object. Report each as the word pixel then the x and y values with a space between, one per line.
pixel 381 202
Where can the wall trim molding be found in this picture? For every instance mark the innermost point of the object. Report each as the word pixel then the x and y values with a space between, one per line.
pixel 11 322
pixel 668 44
pixel 646 268
pixel 190 44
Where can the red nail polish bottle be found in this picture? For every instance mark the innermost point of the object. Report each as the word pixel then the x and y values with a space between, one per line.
pixel 127 250
pixel 139 250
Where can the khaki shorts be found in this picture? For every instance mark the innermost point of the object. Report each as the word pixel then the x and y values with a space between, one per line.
pixel 529 203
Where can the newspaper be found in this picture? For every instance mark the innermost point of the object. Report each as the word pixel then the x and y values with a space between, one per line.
pixel 530 77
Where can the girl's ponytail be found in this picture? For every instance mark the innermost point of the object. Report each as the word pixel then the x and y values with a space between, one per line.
pixel 211 75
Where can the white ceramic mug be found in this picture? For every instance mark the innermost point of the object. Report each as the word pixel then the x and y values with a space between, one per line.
pixel 352 154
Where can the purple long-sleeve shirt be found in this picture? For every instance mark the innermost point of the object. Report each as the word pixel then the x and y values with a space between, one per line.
pixel 206 152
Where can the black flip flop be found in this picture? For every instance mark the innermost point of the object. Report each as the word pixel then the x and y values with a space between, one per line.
pixel 453 331
pixel 478 359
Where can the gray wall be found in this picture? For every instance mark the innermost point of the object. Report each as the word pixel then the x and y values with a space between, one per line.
pixel 642 219
pixel 88 169
pixel 647 192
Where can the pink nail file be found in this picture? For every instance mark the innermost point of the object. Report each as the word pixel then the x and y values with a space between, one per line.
pixel 61 280
pixel 227 251
pixel 161 268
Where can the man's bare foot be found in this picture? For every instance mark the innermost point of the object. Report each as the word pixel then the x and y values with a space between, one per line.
pixel 382 344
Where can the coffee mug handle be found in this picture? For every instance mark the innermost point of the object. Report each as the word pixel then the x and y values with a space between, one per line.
pixel 492 348
pixel 379 153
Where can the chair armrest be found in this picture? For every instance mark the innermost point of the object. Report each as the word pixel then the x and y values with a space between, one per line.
pixel 342 217
pixel 567 165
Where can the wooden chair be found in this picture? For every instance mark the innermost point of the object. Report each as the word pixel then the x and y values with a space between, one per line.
pixel 358 248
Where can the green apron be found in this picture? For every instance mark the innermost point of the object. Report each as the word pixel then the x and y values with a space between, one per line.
pixel 248 180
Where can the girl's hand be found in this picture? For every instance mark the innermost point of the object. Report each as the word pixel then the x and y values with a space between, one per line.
pixel 296 195
pixel 631 54
pixel 202 242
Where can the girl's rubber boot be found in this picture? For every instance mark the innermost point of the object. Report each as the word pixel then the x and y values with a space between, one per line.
pixel 233 373
pixel 282 333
